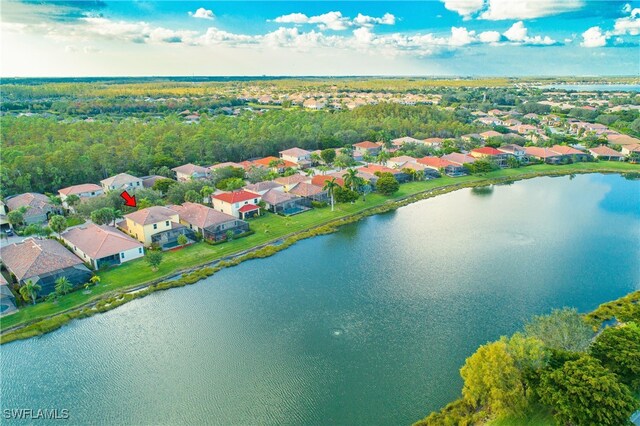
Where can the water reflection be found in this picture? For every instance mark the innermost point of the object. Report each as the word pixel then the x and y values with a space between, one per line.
pixel 482 191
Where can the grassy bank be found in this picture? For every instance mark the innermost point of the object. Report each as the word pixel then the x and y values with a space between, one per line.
pixel 40 318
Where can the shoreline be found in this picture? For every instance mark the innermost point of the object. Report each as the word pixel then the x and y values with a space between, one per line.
pixel 192 274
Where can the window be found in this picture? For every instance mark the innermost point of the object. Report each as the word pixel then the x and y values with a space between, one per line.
pixel 155 226
pixel 166 223
pixel 121 255
pixel 139 249
pixel 255 201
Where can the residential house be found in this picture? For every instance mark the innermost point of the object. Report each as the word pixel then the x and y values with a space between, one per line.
pixel 490 134
pixel 471 137
pixel 320 180
pixel 309 192
pixel 398 142
pixel 121 182
pixel 440 165
pixel 4 220
pixel 314 104
pixel 458 158
pixel 157 225
pixel 190 171
pixel 102 245
pixel 374 168
pixel 225 165
pixel 7 298
pixel 632 149
pixel 491 154
pixel 620 139
pixel 571 153
pixel 278 165
pixel 515 150
pixel 283 202
pixel 288 181
pixel 603 152
pixel 84 192
pixel 149 181
pixel 435 143
pixel 209 223
pixel 241 204
pixel 489 121
pixel 399 162
pixel 546 155
pixel 42 262
pixel 299 156
pixel 262 187
pixel 361 149
pixel 39 206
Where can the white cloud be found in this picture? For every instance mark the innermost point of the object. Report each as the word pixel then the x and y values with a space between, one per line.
pixel 367 21
pixel 518 33
pixel 511 9
pixel 335 20
pixel 202 13
pixel 489 37
pixel 528 9
pixel 593 37
pixel 293 18
pixel 464 8
pixel 460 36
pixel 629 24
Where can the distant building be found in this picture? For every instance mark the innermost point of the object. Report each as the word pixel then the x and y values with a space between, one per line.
pixel 38 206
pixel 121 182
pixel 83 191
pixel 190 171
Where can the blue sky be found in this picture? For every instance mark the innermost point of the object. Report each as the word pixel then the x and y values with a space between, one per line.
pixel 438 37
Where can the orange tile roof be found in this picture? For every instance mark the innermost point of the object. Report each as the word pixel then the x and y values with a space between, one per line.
pixel 236 196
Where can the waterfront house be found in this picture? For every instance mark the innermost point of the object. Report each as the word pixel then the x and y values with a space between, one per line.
pixel 299 156
pixel 309 192
pixel 441 165
pixel 38 206
pixel 515 150
pixel 632 149
pixel 83 191
pixel 7 298
pixel 375 168
pixel 283 202
pixel 241 204
pixel 157 225
pixel 620 139
pixel 102 245
pixel 209 223
pixel 190 171
pixel 43 261
pixel 458 158
pixel 121 182
pixel 399 162
pixel 571 153
pixel 491 154
pixel 361 149
pixel 546 155
pixel 603 152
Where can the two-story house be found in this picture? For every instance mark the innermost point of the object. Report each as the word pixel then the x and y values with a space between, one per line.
pixel 155 225
pixel 121 182
pixel 241 204
pixel 300 156
pixel 190 171
pixel 83 191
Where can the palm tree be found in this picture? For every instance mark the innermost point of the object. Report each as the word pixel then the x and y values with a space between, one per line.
pixel 310 172
pixel 63 286
pixel 350 178
pixel 276 164
pixel 29 291
pixel 383 157
pixel 95 280
pixel 330 186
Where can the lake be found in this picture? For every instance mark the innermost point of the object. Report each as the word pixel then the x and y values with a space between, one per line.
pixel 595 87
pixel 369 325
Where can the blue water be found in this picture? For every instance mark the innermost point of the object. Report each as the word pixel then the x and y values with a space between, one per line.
pixel 595 87
pixel 369 325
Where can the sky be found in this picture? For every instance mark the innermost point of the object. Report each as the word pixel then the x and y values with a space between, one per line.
pixel 49 38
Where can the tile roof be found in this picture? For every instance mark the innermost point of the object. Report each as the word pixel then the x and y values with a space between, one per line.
pixel 605 151
pixel 319 180
pixel 79 189
pixel 565 150
pixel 236 196
pixel 36 203
pixel 264 162
pixel 304 189
pixel 201 216
pixel 295 152
pixel 265 185
pixel 226 164
pixel 190 169
pixel 373 168
pixel 119 180
pixel 152 214
pixel 540 152
pixel 458 158
pixel 367 145
pixel 486 150
pixel 435 162
pixel 273 196
pixel 248 208
pixel 34 257
pixel 99 241
pixel 288 180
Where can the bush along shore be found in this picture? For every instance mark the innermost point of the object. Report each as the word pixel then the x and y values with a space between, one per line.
pixel 563 368
pixel 31 327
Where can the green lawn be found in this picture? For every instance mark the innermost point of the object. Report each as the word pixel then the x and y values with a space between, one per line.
pixel 74 221
pixel 267 228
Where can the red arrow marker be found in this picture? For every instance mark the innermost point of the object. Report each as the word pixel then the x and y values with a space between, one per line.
pixel 128 199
